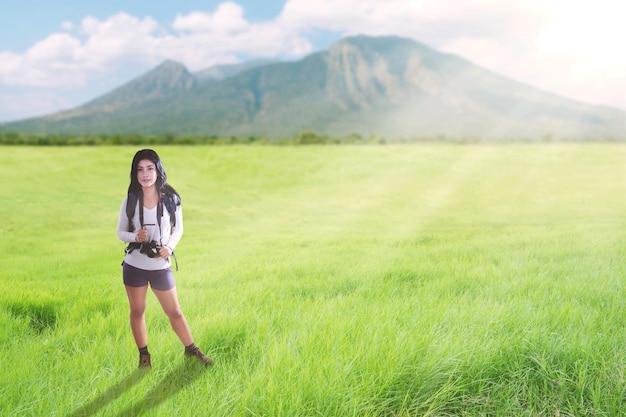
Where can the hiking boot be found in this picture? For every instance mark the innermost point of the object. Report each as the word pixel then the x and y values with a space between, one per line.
pixel 144 360
pixel 201 356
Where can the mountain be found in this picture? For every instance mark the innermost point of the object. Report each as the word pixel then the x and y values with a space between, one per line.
pixel 390 86
pixel 220 72
pixel 169 77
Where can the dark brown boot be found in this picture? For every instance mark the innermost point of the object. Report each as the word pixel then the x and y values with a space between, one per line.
pixel 201 356
pixel 144 360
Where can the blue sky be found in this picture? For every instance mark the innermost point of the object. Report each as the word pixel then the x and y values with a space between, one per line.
pixel 58 55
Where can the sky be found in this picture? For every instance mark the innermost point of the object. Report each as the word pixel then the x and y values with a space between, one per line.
pixel 58 55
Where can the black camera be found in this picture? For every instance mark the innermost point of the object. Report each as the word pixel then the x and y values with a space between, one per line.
pixel 151 249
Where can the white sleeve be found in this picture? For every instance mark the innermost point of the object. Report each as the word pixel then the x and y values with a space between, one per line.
pixel 177 232
pixel 122 226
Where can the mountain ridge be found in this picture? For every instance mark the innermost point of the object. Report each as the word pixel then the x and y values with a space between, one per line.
pixel 388 86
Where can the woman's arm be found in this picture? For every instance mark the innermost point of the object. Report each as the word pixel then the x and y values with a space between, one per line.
pixel 177 232
pixel 122 226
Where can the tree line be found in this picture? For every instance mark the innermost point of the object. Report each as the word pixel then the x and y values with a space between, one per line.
pixel 306 137
pixel 301 138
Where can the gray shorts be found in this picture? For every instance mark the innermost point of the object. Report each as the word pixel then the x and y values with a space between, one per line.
pixel 161 279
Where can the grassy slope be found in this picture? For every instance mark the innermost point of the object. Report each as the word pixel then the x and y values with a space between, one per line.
pixel 429 280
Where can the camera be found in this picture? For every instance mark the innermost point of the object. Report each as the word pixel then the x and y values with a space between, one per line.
pixel 151 249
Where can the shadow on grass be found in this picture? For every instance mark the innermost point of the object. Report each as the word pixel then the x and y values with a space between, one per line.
pixel 109 395
pixel 175 380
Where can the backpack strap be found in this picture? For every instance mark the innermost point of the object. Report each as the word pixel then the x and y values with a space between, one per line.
pixel 131 204
pixel 159 215
pixel 170 203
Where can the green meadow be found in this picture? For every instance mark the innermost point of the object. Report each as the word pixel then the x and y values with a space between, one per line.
pixel 390 280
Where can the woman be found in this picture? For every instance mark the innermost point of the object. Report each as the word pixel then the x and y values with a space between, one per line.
pixel 152 224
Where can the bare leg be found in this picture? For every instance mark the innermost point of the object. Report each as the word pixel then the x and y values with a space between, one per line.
pixel 169 302
pixel 137 301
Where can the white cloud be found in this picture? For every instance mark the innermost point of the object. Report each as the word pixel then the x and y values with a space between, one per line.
pixel 9 62
pixel 203 39
pixel 55 48
pixel 121 39
pixel 227 19
pixel 26 103
pixel 577 51
pixel 47 63
pixel 70 60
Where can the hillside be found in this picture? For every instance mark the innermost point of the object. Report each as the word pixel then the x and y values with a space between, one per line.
pixel 388 86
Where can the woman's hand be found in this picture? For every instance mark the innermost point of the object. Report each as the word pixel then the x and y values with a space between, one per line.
pixel 165 252
pixel 142 235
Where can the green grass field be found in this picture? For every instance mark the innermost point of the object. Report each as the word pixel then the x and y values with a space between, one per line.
pixel 439 280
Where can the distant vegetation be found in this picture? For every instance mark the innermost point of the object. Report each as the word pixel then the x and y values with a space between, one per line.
pixel 302 138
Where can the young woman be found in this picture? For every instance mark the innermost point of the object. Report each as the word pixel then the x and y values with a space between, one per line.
pixel 152 225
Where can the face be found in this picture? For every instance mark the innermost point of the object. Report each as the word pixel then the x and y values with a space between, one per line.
pixel 146 173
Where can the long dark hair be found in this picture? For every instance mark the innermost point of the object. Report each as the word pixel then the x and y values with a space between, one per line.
pixel 161 182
